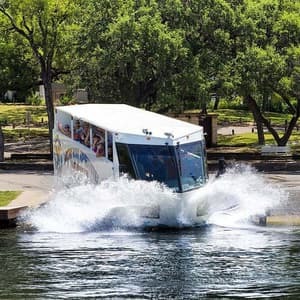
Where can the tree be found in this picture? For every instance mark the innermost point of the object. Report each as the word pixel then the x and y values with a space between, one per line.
pixel 207 30
pixel 42 25
pixel 17 70
pixel 269 62
pixel 126 52
pixel 1 144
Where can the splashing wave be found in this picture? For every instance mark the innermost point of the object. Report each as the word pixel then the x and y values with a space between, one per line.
pixel 229 200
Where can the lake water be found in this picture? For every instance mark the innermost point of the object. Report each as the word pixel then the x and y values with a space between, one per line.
pixel 65 251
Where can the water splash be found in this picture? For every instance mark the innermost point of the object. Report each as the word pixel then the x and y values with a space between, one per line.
pixel 229 201
pixel 90 207
pixel 239 195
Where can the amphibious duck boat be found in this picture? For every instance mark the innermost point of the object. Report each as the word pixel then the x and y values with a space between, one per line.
pixel 108 141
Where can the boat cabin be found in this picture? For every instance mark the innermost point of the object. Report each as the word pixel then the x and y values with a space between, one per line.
pixel 109 140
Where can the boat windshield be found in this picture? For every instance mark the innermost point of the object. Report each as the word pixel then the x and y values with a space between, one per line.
pixel 191 165
pixel 156 163
pixel 181 168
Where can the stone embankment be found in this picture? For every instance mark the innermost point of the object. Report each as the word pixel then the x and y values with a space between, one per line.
pixel 263 163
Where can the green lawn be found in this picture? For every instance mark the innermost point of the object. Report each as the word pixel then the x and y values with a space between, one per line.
pixel 242 116
pixel 7 196
pixel 16 114
pixel 249 140
pixel 17 133
pixel 234 116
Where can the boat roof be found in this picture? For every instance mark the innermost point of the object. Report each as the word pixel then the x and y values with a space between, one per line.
pixel 127 119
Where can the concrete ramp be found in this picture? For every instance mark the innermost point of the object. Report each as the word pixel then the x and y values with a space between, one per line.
pixel 9 215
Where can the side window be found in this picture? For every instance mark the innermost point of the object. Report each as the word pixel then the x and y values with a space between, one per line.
pixel 63 123
pixel 125 166
pixel 85 135
pixel 109 146
pixel 81 132
pixel 65 129
pixel 77 131
pixel 98 145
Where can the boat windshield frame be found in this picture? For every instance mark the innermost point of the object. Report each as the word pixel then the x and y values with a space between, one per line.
pixel 170 165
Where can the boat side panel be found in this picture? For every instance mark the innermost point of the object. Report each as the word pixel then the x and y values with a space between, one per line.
pixel 69 155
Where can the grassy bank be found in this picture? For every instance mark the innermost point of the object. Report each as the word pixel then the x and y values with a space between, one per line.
pixel 23 121
pixel 17 114
pixel 21 133
pixel 250 139
pixel 7 196
pixel 245 117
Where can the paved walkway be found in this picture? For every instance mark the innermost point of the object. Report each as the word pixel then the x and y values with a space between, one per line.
pixel 35 186
pixel 227 130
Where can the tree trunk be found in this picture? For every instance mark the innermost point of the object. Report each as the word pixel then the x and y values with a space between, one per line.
pixel 47 82
pixel 265 102
pixel 145 91
pixel 260 132
pixel 203 107
pixel 260 119
pixel 216 104
pixel 1 145
pixel 257 118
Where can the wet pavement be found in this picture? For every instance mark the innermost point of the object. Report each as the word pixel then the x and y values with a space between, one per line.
pixel 35 186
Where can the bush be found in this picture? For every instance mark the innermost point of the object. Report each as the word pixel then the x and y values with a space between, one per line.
pixel 34 100
pixel 66 100
pixel 236 103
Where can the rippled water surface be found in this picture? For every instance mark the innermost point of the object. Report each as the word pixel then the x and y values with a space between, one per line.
pixel 213 261
pixel 59 257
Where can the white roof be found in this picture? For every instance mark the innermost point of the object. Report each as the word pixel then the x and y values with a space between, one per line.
pixel 123 118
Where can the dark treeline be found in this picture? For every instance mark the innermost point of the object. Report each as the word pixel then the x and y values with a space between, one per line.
pixel 159 54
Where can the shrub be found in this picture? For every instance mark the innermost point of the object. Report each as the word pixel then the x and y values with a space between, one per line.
pixel 34 99
pixel 236 103
pixel 65 100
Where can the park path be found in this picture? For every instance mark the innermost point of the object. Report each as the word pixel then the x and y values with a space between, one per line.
pixel 227 130
pixel 36 187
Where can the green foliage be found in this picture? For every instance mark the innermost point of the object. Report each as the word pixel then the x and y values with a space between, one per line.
pixel 34 100
pixel 164 55
pixel 131 56
pixel 66 100
pixel 7 196
pixel 17 72
pixel 45 28
pixel 235 103
pixel 234 116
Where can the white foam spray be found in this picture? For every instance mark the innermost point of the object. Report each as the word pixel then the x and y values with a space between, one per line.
pixel 229 200
pixel 90 207
pixel 240 194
